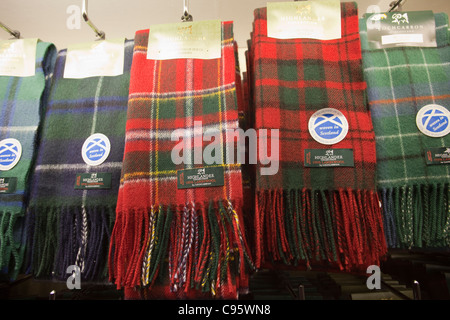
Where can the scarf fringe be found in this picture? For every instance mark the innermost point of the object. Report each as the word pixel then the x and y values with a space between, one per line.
pixel 417 216
pixel 339 229
pixel 190 250
pixel 68 236
pixel 11 243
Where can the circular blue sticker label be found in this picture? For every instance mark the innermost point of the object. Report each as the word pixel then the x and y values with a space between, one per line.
pixel 10 153
pixel 328 126
pixel 96 149
pixel 433 121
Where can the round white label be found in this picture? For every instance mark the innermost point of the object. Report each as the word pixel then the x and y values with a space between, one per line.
pixel 10 153
pixel 433 121
pixel 96 149
pixel 328 126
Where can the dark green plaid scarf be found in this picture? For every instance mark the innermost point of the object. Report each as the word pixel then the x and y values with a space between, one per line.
pixel 22 105
pixel 415 195
pixel 73 226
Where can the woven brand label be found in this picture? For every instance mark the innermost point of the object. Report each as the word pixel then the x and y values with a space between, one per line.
pixel 10 153
pixel 328 126
pixel 8 185
pixel 18 57
pixel 436 156
pixel 397 29
pixel 185 40
pixel 319 19
pixel 96 149
pixel 95 59
pixel 318 158
pixel 433 120
pixel 97 180
pixel 200 177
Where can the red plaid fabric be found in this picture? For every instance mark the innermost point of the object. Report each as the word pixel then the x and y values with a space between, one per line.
pixel 185 241
pixel 318 216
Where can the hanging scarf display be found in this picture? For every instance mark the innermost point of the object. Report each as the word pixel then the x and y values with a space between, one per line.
pixel 314 216
pixel 73 198
pixel 23 101
pixel 406 87
pixel 170 242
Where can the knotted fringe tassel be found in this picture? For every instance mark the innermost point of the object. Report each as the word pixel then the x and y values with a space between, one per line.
pixel 340 229
pixel 181 252
pixel 417 216
pixel 12 243
pixel 69 236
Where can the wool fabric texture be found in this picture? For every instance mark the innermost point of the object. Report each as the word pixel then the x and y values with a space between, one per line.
pixel 402 80
pixel 179 243
pixel 72 226
pixel 314 217
pixel 23 101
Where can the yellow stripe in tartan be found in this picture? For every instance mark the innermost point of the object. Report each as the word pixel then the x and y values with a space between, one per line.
pixel 129 176
pixel 218 94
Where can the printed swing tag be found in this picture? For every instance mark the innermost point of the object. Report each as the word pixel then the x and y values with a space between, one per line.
pixel 319 158
pixel 8 185
pixel 185 40
pixel 200 177
pixel 95 59
pixel 437 156
pixel 10 153
pixel 401 29
pixel 319 20
pixel 97 180
pixel 18 57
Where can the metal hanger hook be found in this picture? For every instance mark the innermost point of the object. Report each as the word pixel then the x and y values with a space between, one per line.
pixel 14 33
pixel 99 33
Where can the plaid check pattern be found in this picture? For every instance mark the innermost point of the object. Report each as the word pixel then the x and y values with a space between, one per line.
pixel 400 82
pixel 179 241
pixel 321 216
pixel 73 226
pixel 22 104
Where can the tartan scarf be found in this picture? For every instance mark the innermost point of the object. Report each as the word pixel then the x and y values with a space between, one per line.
pixel 72 226
pixel 22 104
pixel 415 196
pixel 321 217
pixel 169 242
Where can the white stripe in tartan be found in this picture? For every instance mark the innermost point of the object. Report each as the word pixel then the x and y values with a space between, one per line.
pixel 437 65
pixel 17 129
pixel 387 181
pixel 180 94
pixel 77 166
pixel 396 116
pixel 146 134
pixel 398 136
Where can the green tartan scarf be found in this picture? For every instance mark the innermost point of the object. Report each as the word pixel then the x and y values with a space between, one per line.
pixel 23 101
pixel 415 195
pixel 72 226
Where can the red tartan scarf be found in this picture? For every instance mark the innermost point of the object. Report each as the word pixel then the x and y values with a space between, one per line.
pixel 329 216
pixel 170 242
